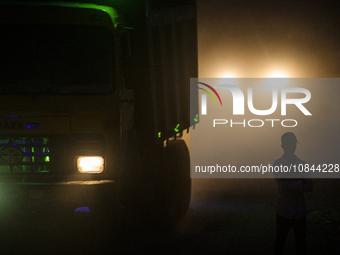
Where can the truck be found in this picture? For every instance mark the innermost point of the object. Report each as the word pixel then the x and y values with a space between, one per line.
pixel 94 101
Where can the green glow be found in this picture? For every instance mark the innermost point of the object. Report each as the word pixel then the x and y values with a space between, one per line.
pixel 26 159
pixel 33 149
pixel 32 158
pixel 196 118
pixel 176 128
pixel 159 134
pixel 47 159
pixel 26 169
pixel 109 10
pixel 5 169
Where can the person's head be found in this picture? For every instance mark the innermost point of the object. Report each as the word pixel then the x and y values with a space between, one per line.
pixel 288 143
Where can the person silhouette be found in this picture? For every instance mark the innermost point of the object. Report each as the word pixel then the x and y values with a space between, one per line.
pixel 291 209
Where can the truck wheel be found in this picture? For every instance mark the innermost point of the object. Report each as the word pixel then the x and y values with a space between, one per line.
pixel 156 200
pixel 176 180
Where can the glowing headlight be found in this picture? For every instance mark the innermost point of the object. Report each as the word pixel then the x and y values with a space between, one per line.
pixel 90 164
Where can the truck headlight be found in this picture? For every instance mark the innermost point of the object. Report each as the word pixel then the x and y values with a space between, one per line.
pixel 90 164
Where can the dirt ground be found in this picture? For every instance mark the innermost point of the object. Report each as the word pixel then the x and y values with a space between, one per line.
pixel 225 217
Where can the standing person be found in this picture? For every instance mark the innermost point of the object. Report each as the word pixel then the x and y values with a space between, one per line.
pixel 291 208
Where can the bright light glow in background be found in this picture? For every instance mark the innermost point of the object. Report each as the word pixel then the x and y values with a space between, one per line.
pixel 281 79
pixel 249 45
pixel 228 75
pixel 277 74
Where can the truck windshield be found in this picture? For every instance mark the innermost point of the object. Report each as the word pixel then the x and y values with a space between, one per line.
pixel 56 59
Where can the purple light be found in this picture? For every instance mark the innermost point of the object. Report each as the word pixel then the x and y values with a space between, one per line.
pixel 82 209
pixel 43 153
pixel 16 116
pixel 33 125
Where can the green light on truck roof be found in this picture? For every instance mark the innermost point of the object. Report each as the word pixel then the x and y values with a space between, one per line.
pixel 159 134
pixel 109 10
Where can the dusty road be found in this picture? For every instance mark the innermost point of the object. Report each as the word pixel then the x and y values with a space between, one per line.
pixel 225 217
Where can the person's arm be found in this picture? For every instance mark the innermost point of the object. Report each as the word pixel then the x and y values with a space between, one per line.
pixel 302 182
pixel 307 181
pixel 308 185
pixel 290 184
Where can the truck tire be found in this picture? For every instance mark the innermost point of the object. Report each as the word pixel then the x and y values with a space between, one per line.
pixel 157 199
pixel 177 182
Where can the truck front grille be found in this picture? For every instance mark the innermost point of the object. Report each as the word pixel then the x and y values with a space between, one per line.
pixel 24 154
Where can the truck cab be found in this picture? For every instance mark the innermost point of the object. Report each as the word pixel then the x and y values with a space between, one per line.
pixel 83 122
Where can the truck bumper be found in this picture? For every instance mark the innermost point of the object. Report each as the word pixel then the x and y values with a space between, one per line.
pixel 56 197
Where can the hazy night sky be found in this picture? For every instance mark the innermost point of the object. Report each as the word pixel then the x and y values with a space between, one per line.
pixel 252 38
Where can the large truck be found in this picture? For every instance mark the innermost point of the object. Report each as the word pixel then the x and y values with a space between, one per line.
pixel 94 100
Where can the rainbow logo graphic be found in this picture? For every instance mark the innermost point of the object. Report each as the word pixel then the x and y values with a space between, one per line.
pixel 204 97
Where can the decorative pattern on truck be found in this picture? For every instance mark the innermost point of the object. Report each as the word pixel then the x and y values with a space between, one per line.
pixel 24 154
